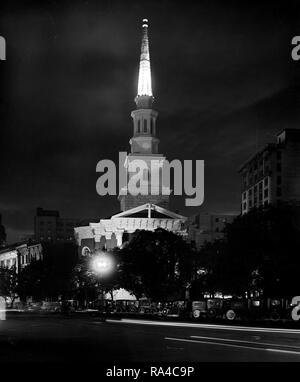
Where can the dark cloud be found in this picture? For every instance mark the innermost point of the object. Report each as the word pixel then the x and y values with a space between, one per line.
pixel 223 79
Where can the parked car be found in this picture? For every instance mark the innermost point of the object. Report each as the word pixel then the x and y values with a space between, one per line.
pixel 199 309
pixel 172 308
pixel 51 306
pixel 126 306
pixel 33 306
pixel 235 309
pixel 147 307
pixel 69 306
pixel 215 307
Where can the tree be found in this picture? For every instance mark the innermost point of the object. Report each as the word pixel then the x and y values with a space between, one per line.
pixel 157 265
pixel 259 253
pixel 8 283
pixel 59 261
pixel 51 277
pixel 32 281
pixel 209 277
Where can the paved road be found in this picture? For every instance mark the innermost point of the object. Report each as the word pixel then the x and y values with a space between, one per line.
pixel 56 338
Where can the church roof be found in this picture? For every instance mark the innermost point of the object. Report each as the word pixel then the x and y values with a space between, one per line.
pixel 149 210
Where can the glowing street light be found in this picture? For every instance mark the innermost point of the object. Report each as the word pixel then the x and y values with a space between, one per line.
pixel 102 264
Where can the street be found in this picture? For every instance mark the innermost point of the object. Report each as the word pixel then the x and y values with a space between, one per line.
pixel 57 338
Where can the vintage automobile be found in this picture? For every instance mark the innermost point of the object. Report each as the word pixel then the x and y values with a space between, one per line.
pixel 267 308
pixel 235 309
pixel 173 309
pixel 198 309
pixel 33 306
pixel 126 306
pixel 215 308
pixel 69 306
pixel 51 306
pixel 147 307
pixel 277 308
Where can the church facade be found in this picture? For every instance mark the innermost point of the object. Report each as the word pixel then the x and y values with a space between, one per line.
pixel 147 210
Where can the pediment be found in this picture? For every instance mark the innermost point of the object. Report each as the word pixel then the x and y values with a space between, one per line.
pixel 149 210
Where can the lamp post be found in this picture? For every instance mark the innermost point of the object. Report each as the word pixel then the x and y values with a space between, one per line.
pixel 102 265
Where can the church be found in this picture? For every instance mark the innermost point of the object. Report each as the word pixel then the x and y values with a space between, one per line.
pixel 147 210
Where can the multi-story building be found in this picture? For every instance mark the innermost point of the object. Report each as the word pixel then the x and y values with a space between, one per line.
pixel 50 227
pixel 272 174
pixel 207 227
pixel 19 255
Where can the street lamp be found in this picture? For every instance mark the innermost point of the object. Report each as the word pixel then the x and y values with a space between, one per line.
pixel 102 265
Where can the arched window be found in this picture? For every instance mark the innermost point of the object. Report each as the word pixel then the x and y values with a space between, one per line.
pixel 145 125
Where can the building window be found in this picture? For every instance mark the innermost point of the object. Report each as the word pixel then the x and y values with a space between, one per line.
pixel 139 126
pixel 145 125
pixel 279 179
pixel 266 193
pixel 278 155
pixel 151 126
pixel 266 181
pixel 279 193
pixel 278 167
pixel 217 220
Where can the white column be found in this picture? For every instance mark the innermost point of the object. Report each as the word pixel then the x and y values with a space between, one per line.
pixel 119 236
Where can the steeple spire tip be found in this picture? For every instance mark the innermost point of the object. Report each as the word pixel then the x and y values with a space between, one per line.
pixel 144 82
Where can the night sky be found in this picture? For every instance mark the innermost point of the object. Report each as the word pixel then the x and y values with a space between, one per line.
pixel 223 80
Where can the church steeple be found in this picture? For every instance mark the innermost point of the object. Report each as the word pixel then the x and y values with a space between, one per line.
pixel 144 96
pixel 144 140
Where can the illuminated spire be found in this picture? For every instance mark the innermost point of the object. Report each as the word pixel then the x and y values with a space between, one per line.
pixel 144 84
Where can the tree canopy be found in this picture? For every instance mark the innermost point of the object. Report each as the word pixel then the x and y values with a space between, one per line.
pixel 156 264
pixel 260 251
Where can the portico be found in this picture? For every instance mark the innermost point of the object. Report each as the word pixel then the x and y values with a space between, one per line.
pixel 116 230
